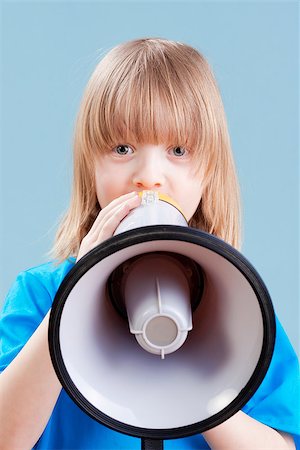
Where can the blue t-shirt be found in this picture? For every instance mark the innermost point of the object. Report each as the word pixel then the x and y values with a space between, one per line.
pixel 275 403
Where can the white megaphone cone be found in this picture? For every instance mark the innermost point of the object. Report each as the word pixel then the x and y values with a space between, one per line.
pixel 159 287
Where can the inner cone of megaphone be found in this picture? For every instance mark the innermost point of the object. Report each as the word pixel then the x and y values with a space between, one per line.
pixel 154 291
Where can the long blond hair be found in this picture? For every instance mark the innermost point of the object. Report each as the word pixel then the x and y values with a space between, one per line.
pixel 155 91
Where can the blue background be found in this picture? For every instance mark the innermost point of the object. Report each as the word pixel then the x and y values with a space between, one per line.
pixel 49 50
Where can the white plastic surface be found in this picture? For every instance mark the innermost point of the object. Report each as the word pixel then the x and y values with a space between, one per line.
pixel 209 370
pixel 157 298
pixel 152 211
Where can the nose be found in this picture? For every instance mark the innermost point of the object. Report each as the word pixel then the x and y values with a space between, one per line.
pixel 149 173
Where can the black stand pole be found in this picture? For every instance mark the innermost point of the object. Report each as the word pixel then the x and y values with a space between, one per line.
pixel 152 444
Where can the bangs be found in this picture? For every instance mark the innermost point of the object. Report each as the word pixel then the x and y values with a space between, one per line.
pixel 150 113
pixel 149 98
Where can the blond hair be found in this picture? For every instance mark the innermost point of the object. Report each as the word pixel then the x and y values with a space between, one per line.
pixel 153 91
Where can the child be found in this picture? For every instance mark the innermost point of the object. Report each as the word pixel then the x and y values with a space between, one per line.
pixel 151 118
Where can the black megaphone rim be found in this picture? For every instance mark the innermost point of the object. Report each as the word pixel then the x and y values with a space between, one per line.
pixel 156 233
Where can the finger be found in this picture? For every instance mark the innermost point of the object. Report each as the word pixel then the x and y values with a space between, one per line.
pixel 114 217
pixel 111 207
pixel 132 202
pixel 106 225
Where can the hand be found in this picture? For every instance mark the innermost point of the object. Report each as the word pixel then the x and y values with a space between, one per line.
pixel 107 221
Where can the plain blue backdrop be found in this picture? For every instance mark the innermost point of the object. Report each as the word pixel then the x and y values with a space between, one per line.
pixel 49 50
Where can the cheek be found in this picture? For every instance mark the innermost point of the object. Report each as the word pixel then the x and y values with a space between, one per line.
pixel 192 198
pixel 108 185
pixel 192 207
pixel 102 183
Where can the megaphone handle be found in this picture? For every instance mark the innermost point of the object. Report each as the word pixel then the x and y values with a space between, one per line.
pixel 152 444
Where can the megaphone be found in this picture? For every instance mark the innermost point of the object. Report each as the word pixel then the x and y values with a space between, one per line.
pixel 161 331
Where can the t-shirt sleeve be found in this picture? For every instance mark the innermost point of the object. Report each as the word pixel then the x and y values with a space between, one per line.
pixel 276 403
pixel 25 306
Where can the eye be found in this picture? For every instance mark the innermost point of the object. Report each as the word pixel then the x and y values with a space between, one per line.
pixel 123 150
pixel 178 151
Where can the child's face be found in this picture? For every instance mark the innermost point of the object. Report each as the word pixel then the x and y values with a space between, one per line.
pixel 170 170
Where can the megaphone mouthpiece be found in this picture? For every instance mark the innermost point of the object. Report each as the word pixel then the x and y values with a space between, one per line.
pixel 155 209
